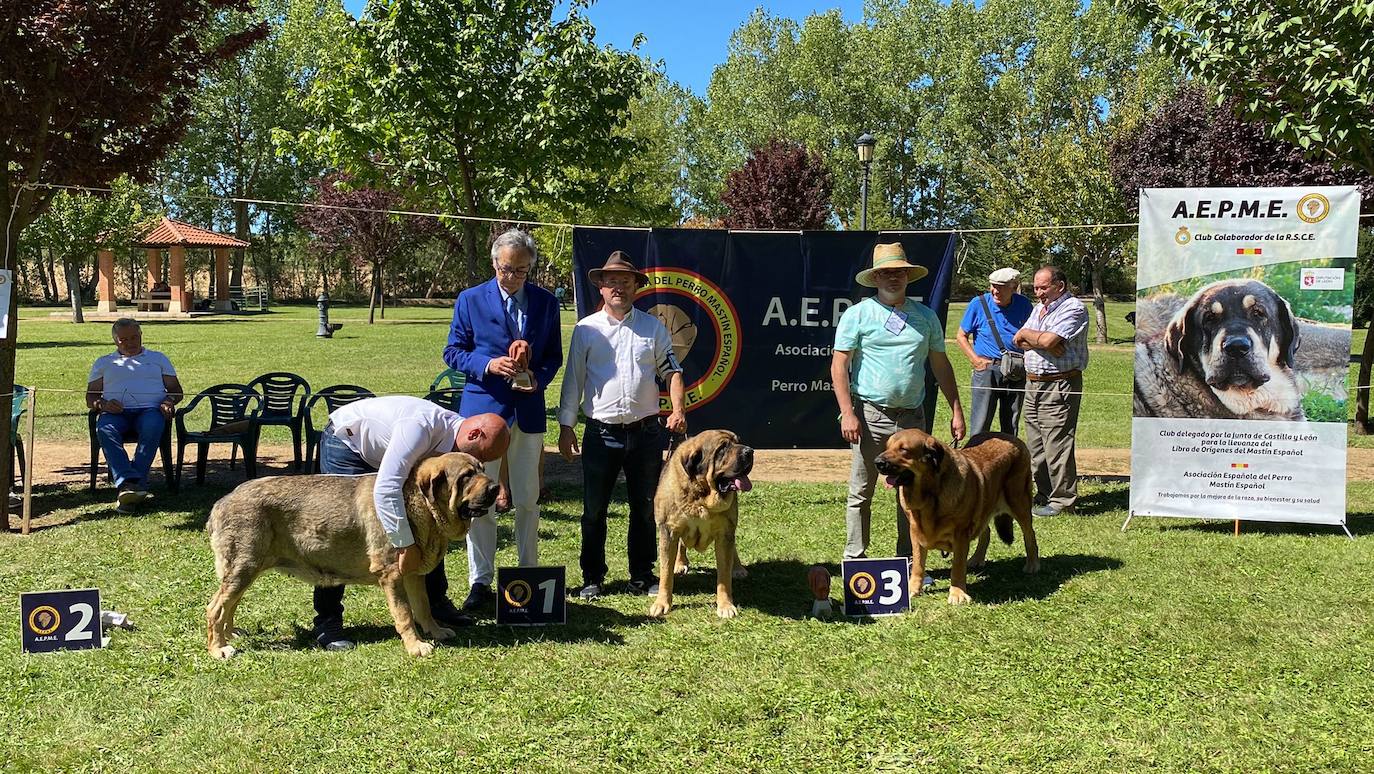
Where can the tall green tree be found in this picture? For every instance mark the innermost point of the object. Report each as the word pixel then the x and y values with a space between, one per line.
pixel 78 224
pixel 1038 108
pixel 91 90
pixel 1305 70
pixel 491 108
pixel 228 151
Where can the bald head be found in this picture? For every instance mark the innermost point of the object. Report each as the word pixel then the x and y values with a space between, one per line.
pixel 484 436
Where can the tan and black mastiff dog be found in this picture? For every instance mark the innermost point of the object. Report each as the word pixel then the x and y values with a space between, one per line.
pixel 697 505
pixel 323 529
pixel 1228 352
pixel 950 495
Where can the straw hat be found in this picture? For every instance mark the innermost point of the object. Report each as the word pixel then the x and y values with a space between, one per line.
pixel 890 256
pixel 618 261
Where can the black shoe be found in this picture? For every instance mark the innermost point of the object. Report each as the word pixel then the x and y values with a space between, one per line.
pixel 480 599
pixel 333 640
pixel 448 614
pixel 589 591
pixel 644 588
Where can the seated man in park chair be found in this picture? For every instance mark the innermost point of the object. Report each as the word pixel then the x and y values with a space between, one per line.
pixel 135 390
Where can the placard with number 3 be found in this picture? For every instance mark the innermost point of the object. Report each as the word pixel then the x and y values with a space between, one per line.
pixel 876 586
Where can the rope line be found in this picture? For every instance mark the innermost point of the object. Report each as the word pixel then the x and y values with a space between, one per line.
pixel 552 224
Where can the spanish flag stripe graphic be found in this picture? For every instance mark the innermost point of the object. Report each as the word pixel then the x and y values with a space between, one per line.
pixel 1249 251
pixel 1240 465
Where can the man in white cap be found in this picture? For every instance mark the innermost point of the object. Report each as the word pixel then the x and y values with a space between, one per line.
pixel 990 322
pixel 878 369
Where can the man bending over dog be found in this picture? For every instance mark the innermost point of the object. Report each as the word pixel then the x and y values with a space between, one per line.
pixel 389 436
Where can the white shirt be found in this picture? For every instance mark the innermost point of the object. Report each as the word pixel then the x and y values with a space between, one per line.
pixel 611 366
pixel 133 380
pixel 392 434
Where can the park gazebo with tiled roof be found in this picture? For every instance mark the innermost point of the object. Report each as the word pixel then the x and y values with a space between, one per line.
pixel 176 237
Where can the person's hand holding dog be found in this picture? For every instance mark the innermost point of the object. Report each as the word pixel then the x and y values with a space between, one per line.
pixel 677 423
pixel 957 428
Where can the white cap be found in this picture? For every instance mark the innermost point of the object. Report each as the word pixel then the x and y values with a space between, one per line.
pixel 1003 276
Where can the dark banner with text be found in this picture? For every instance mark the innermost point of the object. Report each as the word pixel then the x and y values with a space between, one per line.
pixel 752 316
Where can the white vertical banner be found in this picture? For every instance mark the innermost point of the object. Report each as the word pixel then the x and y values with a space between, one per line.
pixel 6 287
pixel 1243 305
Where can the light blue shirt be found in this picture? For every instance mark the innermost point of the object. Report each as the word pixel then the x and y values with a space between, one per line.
pixel 521 307
pixel 888 349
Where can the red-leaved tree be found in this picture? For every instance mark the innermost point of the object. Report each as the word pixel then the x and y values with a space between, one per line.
pixel 90 90
pixel 354 223
pixel 782 186
pixel 1192 142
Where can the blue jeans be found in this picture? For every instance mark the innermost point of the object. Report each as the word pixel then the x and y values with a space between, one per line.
pixel 989 402
pixel 110 429
pixel 607 450
pixel 337 458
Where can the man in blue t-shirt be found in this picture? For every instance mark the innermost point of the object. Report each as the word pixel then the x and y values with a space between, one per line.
pixel 993 395
pixel 134 389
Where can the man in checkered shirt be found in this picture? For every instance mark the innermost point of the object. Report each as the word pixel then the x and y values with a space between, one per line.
pixel 1055 340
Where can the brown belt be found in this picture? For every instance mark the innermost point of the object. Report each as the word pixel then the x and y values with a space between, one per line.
pixel 1059 377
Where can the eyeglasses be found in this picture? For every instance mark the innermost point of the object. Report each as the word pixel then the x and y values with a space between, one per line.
pixel 511 271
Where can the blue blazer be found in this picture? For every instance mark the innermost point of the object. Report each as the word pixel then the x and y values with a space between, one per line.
pixel 479 334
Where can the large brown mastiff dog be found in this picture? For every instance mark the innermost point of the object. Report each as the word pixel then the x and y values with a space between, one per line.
pixel 697 505
pixel 324 530
pixel 950 495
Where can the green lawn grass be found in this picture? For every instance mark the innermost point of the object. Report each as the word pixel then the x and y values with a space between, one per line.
pixel 1174 646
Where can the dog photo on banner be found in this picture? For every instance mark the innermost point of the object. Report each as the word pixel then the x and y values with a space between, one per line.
pixel 1243 312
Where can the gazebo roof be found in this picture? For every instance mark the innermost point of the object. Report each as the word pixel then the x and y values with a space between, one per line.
pixel 168 233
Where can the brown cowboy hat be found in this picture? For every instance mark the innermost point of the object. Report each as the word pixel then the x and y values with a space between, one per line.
pixel 889 256
pixel 618 261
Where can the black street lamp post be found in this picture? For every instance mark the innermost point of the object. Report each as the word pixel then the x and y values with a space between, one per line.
pixel 864 146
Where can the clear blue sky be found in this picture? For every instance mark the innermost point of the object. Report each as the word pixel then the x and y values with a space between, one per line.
pixel 690 37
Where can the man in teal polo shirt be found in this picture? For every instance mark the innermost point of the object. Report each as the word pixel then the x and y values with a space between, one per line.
pixel 881 348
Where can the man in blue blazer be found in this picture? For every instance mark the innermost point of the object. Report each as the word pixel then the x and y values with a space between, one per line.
pixel 487 320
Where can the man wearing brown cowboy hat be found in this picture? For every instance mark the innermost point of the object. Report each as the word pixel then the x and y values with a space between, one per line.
pixel 881 348
pixel 613 360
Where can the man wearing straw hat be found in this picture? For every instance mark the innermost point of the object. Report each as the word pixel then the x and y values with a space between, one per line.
pixel 881 348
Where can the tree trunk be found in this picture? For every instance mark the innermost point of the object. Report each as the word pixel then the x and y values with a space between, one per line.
pixel 1099 301
pixel 7 351
pixel 434 278
pixel 240 232
pixel 1362 424
pixel 73 274
pixel 381 293
pixel 470 250
pixel 372 299
pixel 50 292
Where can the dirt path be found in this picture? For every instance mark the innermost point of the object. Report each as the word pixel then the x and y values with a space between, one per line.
pixel 56 462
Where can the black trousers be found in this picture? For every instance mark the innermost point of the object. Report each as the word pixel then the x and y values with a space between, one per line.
pixel 606 451
pixel 336 457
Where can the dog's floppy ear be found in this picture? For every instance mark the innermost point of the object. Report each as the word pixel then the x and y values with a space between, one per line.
pixel 1181 336
pixel 1288 332
pixel 429 478
pixel 693 460
pixel 934 455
